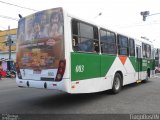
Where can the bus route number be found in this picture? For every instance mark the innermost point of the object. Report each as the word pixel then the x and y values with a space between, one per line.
pixel 79 68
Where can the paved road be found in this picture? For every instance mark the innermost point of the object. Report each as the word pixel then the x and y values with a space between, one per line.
pixel 134 98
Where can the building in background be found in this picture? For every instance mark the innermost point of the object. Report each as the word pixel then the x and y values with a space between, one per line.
pixel 5 63
pixel 4 48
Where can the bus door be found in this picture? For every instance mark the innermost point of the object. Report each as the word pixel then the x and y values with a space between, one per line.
pixel 139 61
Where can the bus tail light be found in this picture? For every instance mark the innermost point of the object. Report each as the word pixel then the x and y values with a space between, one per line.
pixel 18 71
pixel 61 70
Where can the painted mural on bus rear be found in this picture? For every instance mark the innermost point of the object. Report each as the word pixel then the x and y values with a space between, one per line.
pixel 40 46
pixel 59 51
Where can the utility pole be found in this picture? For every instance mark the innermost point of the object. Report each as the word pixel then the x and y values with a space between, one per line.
pixel 9 41
pixel 146 14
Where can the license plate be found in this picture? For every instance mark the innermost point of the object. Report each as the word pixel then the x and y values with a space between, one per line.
pixel 37 72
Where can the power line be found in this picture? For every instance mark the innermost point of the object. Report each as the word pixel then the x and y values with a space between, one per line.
pixel 135 25
pixel 18 6
pixel 7 17
pixel 154 14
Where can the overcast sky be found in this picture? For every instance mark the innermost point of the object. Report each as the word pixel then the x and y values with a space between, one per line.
pixel 120 15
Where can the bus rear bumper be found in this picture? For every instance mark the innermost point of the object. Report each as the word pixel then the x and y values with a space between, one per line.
pixel 63 85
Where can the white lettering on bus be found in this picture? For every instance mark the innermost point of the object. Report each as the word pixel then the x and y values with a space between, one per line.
pixel 79 68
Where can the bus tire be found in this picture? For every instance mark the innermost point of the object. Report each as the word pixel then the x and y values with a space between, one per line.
pixel 117 83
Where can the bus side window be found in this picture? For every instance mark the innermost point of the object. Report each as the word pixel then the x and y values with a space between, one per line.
pixel 75 35
pixel 75 43
pixel 84 37
pixel 96 46
pixel 123 45
pixel 131 47
pixel 96 41
pixel 108 42
pixel 146 50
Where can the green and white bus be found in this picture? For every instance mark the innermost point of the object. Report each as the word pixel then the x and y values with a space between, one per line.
pixel 56 50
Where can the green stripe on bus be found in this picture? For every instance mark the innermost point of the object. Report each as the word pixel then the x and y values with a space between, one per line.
pixel 106 62
pixel 134 63
pixel 89 65
pixel 148 63
pixel 144 64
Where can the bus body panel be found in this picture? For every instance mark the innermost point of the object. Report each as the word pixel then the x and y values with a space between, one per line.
pixel 84 66
pixel 108 68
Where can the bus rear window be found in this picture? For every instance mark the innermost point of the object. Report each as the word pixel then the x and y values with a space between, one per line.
pixel 41 39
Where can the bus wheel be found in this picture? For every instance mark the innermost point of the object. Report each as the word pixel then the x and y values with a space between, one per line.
pixel 117 83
